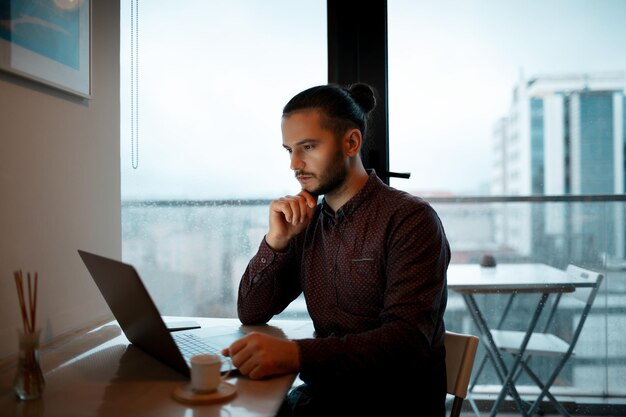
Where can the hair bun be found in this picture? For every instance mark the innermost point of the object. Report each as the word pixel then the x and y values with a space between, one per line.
pixel 364 96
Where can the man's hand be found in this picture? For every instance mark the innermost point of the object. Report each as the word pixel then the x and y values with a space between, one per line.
pixel 258 355
pixel 289 216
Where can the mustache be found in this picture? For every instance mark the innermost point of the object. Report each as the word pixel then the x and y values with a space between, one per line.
pixel 298 173
pixel 314 194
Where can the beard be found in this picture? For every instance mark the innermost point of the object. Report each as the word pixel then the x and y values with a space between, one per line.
pixel 332 178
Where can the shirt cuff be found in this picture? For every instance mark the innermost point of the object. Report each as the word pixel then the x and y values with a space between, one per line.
pixel 265 257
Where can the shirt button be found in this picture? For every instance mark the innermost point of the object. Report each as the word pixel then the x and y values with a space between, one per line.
pixel 331 269
pixel 263 260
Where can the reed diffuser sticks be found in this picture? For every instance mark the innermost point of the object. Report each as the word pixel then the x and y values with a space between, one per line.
pixel 29 312
pixel 29 382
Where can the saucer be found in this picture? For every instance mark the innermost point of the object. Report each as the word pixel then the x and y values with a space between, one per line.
pixel 186 395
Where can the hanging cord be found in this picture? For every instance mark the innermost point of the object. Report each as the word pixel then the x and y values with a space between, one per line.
pixel 134 83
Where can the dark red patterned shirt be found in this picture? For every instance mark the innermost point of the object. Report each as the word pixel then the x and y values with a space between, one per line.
pixel 374 280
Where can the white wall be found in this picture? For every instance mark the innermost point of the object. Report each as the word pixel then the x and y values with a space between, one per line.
pixel 60 188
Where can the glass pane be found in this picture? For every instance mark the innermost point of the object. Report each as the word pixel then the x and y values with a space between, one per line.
pixel 507 98
pixel 520 98
pixel 590 235
pixel 213 78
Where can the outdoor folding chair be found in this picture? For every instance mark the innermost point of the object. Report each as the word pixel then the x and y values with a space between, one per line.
pixel 549 344
pixel 460 354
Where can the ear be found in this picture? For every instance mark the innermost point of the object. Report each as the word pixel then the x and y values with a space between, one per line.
pixel 352 142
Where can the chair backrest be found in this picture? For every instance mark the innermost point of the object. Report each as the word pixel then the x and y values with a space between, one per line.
pixel 460 355
pixel 586 295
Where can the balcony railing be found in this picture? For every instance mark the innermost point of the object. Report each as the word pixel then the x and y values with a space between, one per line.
pixel 192 254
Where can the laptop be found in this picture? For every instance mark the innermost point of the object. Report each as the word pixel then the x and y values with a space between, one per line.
pixel 142 323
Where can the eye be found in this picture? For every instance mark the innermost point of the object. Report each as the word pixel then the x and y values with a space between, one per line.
pixel 288 150
pixel 308 147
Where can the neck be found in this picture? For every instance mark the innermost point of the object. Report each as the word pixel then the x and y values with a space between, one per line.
pixel 355 180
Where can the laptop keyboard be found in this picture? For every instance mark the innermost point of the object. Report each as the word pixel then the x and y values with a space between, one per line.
pixel 190 344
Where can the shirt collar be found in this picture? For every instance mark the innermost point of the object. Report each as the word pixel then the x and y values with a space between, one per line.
pixel 364 194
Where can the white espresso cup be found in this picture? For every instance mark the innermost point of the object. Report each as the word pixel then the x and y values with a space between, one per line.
pixel 205 372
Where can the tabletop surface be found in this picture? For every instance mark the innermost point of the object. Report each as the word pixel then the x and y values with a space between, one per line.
pixel 100 374
pixel 514 277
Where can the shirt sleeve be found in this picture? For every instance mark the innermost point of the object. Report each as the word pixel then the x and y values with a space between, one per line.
pixel 269 283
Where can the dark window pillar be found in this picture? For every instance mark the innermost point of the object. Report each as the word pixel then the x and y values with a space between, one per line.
pixel 357 52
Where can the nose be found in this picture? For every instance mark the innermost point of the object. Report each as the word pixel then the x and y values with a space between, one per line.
pixel 296 162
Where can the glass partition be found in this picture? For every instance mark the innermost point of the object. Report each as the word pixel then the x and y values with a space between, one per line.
pixel 210 158
pixel 201 140
pixel 558 231
pixel 193 253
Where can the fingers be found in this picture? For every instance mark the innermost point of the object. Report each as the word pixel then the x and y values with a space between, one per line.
pixel 236 346
pixel 297 206
pixel 243 360
pixel 295 209
pixel 289 216
pixel 311 201
pixel 252 356
pixel 242 353
pixel 259 355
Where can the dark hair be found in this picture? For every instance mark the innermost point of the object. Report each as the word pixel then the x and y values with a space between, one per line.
pixel 343 107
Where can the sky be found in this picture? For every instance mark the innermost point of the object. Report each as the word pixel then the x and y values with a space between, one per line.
pixel 215 75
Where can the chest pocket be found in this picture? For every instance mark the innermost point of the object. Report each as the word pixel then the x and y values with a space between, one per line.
pixel 360 288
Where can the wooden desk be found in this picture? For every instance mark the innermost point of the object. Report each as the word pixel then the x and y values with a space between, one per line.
pixel 508 279
pixel 100 374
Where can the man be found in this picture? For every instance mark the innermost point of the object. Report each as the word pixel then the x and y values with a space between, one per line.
pixel 371 261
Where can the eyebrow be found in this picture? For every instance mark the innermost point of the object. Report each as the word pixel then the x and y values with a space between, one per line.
pixel 303 142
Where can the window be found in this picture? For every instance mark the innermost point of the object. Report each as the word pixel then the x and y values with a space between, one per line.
pixel 509 116
pixel 213 78
pixel 504 101
pixel 457 67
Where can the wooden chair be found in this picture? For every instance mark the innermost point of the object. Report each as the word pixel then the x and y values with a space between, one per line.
pixel 548 344
pixel 460 355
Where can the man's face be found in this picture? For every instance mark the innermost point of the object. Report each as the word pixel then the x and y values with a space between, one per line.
pixel 316 155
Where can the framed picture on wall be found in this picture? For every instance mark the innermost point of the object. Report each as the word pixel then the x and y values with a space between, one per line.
pixel 48 41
